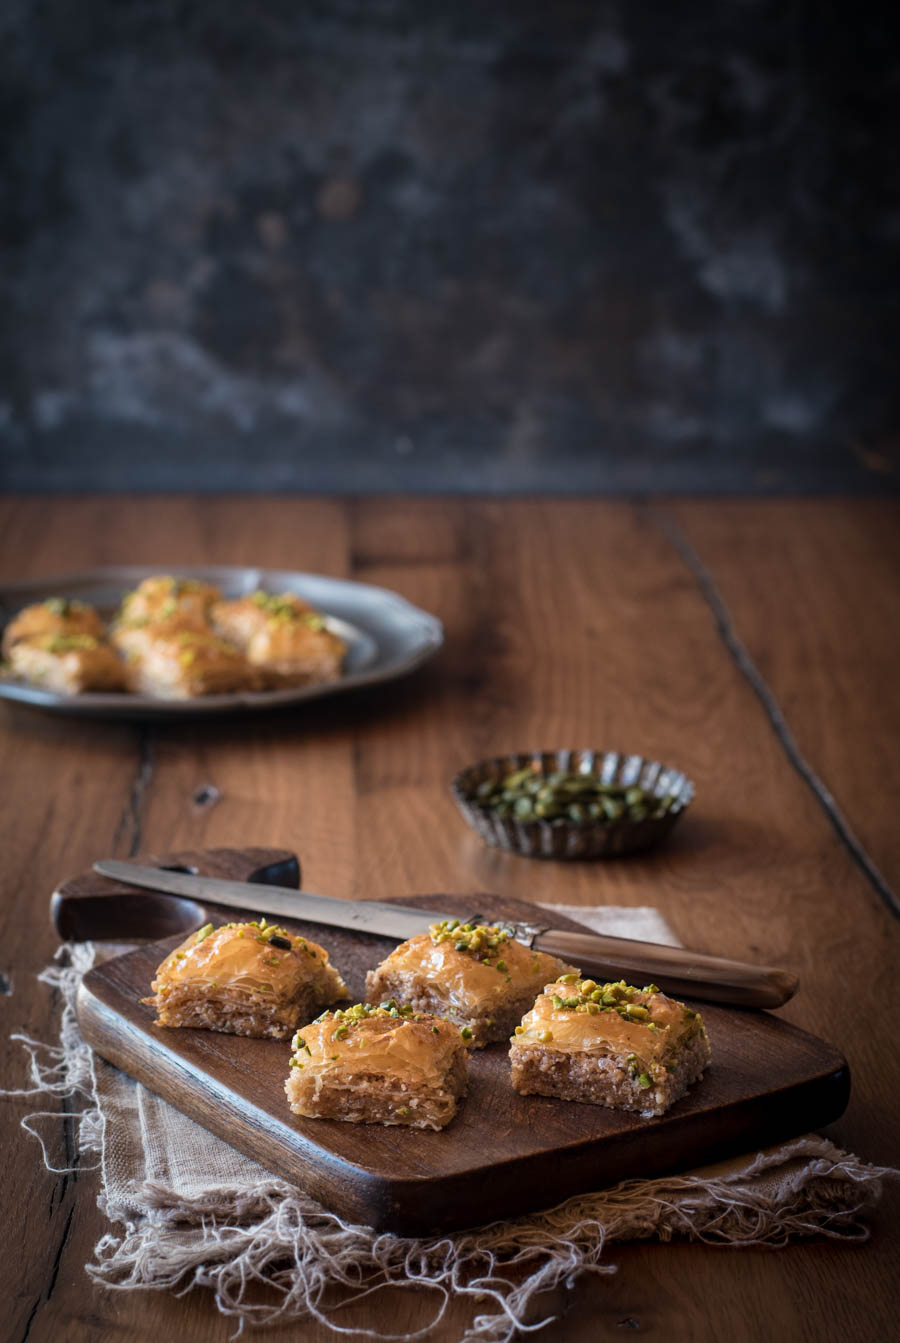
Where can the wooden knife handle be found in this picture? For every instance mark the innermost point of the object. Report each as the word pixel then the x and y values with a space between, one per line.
pixel 674 969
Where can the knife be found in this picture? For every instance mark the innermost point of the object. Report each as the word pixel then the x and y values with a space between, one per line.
pixel 675 969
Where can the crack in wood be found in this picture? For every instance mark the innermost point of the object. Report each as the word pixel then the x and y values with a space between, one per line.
pixel 130 827
pixel 43 1299
pixel 753 676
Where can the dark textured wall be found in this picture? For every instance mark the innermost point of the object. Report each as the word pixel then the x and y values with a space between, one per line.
pixel 385 244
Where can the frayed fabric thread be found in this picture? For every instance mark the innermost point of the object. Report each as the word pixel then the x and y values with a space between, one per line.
pixel 315 1265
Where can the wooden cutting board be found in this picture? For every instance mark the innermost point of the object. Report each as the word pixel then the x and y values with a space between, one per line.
pixel 503 1154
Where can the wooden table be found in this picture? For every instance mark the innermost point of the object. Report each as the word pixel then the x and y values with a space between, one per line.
pixel 568 622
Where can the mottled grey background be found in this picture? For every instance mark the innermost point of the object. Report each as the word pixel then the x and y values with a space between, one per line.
pixel 385 244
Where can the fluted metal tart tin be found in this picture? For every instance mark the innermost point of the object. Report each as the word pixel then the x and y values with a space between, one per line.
pixel 562 838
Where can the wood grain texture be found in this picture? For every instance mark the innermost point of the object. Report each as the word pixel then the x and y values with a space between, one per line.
pixel 815 592
pixel 503 1154
pixel 567 622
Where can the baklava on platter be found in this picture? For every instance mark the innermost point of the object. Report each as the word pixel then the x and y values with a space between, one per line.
pixel 54 618
pixel 478 975
pixel 382 1064
pixel 609 1044
pixel 245 979
pixel 161 607
pixel 282 636
pixel 185 663
pixel 68 664
pixel 164 597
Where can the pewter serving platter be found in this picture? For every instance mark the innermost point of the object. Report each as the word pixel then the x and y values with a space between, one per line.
pixel 386 636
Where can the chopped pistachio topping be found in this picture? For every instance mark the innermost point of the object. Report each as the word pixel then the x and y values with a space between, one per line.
pixel 483 942
pixel 351 1016
pixel 58 606
pixel 286 609
pixel 584 995
pixel 273 936
pixel 68 643
pixel 466 1033
pixel 403 1110
pixel 204 933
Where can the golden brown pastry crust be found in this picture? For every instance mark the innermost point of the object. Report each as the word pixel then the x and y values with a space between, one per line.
pixel 378 1066
pixel 608 1044
pixel 68 664
pixel 485 986
pixel 164 597
pixel 54 618
pixel 245 979
pixel 187 663
pixel 282 636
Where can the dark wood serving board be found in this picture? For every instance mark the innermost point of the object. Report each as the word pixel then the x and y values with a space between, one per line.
pixel 503 1154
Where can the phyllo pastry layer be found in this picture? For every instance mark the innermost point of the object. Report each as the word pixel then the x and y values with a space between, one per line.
pixel 245 979
pixel 68 664
pixel 55 618
pixel 282 636
pixel 378 1065
pixel 609 1044
pixel 186 663
pixel 161 608
pixel 478 975
pixel 163 597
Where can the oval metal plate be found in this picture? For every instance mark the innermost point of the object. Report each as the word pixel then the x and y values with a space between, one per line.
pixel 386 635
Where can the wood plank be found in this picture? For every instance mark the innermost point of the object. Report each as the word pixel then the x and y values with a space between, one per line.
pixel 571 622
pixel 813 591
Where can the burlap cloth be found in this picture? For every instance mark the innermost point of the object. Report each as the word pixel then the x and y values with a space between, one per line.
pixel 191 1211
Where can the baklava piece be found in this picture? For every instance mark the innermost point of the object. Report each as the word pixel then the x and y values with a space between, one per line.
pixel 164 597
pixel 188 663
pixel 68 664
pixel 608 1044
pixel 245 979
pixel 55 618
pixel 478 975
pixel 378 1065
pixel 282 636
pixel 161 606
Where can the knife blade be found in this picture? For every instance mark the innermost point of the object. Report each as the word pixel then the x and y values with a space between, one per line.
pixel 675 969
pixel 363 916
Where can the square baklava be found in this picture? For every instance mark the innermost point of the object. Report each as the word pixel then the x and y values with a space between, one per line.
pixel 55 618
pixel 478 975
pixel 245 979
pixel 68 664
pixel 382 1064
pixel 282 636
pixel 609 1044
pixel 188 662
